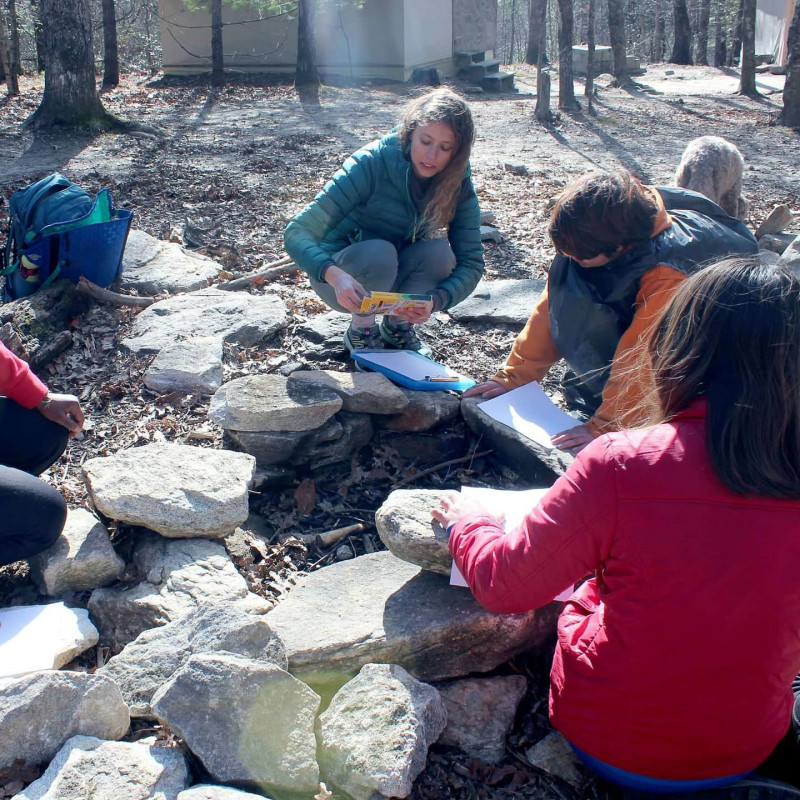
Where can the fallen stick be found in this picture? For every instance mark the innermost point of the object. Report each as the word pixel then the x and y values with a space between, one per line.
pixel 106 296
pixel 282 266
pixel 337 534
pixel 437 467
pixel 47 352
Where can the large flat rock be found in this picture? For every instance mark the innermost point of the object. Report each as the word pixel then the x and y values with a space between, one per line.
pixel 507 301
pixel 177 490
pixel 234 317
pixel 193 366
pixel 379 609
pixel 365 392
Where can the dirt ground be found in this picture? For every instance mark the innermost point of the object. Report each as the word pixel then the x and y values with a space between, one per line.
pixel 235 164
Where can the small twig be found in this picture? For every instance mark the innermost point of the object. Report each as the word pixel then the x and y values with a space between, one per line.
pixel 47 352
pixel 437 467
pixel 331 537
pixel 106 296
pixel 282 266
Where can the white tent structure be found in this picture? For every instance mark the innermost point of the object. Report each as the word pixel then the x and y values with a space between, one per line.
pixel 772 28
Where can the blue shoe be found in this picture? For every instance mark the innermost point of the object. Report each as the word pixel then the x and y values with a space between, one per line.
pixel 363 339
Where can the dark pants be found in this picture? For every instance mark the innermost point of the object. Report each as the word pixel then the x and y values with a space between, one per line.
pixel 417 269
pixel 32 513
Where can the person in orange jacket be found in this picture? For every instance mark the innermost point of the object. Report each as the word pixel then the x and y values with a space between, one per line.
pixel 623 250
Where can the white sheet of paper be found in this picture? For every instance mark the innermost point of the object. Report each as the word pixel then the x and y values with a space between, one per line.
pixel 30 636
pixel 529 411
pixel 409 365
pixel 514 505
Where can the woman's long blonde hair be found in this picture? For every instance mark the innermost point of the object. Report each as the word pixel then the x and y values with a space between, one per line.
pixel 442 105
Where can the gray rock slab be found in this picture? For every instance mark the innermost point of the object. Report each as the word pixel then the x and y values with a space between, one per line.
pixel 768 256
pixel 480 714
pixel 152 658
pixel 174 489
pixel 791 255
pixel 527 458
pixel 140 247
pixel 365 392
pixel 248 722
pixel 490 234
pixel 379 609
pixel 273 403
pixel 208 792
pixel 505 301
pixel 555 755
pixel 775 242
pixel 357 431
pixel 172 270
pixel 81 558
pixel 405 526
pixel 777 221
pixel 426 447
pixel 87 768
pixel 180 574
pixel 425 410
pixel 41 710
pixel 235 317
pixel 193 367
pixel 330 326
pixel 376 732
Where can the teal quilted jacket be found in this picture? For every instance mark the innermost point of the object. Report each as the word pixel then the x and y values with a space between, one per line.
pixel 369 198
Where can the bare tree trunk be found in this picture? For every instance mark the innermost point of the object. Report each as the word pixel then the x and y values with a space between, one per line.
pixel 70 95
pixel 720 49
pixel 513 31
pixel 217 53
pixel 38 35
pixel 13 38
pixel 736 48
pixel 542 112
pixel 791 89
pixel 110 55
pixel 537 10
pixel 704 15
pixel 747 80
pixel 12 81
pixel 589 89
pixel 566 87
pixel 682 46
pixel 616 31
pixel 306 73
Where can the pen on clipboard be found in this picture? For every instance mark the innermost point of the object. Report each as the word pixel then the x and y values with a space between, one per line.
pixel 442 378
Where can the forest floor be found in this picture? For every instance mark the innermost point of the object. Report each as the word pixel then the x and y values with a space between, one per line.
pixel 237 162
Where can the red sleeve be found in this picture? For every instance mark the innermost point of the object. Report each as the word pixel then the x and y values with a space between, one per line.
pixel 564 538
pixel 18 382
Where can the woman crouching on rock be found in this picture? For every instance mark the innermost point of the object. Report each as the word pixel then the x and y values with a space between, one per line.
pixel 674 661
pixel 371 227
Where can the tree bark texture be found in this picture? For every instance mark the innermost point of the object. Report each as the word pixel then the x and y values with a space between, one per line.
pixel 537 10
pixel 13 38
pixel 703 18
pixel 12 82
pixel 542 112
pixel 736 47
pixel 747 80
pixel 566 87
pixel 589 89
pixel 616 31
pixel 720 48
pixel 791 89
pixel 110 54
pixel 70 94
pixel 217 52
pixel 38 35
pixel 682 46
pixel 306 73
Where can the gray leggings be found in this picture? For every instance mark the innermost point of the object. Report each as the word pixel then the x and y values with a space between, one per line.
pixel 418 269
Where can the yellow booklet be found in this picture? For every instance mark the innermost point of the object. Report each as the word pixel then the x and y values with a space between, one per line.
pixel 389 302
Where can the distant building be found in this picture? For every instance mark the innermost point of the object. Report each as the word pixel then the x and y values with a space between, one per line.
pixel 371 39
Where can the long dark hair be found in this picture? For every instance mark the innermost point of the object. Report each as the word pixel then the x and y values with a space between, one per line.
pixel 442 105
pixel 732 334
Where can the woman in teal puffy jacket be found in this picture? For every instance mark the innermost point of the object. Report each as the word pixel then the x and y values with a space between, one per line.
pixel 372 226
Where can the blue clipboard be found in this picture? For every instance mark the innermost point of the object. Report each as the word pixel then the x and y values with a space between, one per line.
pixel 412 370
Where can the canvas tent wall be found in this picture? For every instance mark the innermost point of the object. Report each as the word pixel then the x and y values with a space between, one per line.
pixel 772 28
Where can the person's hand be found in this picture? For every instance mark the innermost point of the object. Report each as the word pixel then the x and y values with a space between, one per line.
pixel 487 390
pixel 65 409
pixel 349 292
pixel 574 439
pixel 416 316
pixel 454 506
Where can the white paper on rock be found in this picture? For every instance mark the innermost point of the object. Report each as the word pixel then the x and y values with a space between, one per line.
pixel 32 637
pixel 509 506
pixel 529 411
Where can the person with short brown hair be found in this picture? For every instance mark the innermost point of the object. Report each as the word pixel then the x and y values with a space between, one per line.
pixel 624 248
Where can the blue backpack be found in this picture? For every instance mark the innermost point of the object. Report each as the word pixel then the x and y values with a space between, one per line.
pixel 58 231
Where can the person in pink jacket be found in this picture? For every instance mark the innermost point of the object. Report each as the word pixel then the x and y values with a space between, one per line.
pixel 35 425
pixel 675 659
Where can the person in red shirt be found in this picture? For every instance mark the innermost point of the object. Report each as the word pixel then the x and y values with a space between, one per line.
pixel 675 660
pixel 35 425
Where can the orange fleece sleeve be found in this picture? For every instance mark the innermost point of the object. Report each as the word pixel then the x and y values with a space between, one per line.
pixel 533 351
pixel 625 388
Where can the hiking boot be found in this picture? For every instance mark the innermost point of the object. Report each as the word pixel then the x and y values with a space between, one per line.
pixel 402 337
pixel 363 339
